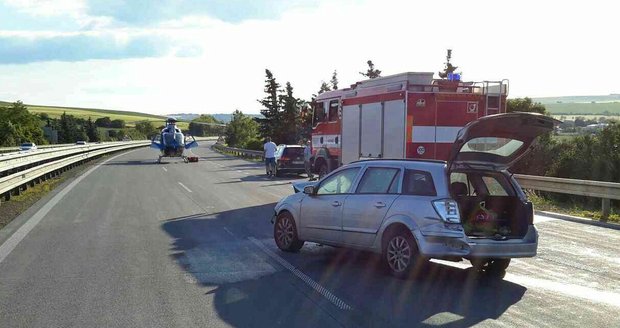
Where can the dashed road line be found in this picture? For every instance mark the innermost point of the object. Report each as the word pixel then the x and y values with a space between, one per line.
pixel 165 169
pixel 313 284
pixel 184 187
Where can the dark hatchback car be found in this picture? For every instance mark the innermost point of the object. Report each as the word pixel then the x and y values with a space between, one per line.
pixel 289 159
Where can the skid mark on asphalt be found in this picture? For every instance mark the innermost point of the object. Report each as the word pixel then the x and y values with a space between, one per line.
pixel 313 284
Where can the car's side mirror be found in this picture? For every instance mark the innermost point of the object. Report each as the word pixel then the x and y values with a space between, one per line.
pixel 309 190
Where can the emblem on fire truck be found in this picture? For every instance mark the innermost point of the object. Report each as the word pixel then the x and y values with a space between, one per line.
pixel 421 150
pixel 420 103
pixel 472 107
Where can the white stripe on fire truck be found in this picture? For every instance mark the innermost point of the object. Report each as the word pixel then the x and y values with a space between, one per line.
pixel 435 133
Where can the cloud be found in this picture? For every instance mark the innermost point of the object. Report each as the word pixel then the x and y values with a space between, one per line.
pixel 18 49
pixel 146 12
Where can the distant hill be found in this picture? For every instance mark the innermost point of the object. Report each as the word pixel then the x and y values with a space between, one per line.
pixel 220 117
pixel 129 117
pixel 582 105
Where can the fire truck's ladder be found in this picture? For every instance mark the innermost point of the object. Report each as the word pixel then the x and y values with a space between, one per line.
pixel 494 89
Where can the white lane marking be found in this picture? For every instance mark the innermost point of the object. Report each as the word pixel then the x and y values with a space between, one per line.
pixel 230 233
pixel 313 284
pixel 184 187
pixel 10 244
pixel 587 293
pixel 165 169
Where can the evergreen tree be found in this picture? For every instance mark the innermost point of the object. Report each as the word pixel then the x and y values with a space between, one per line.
pixel 324 87
pixel 371 72
pixel 449 69
pixel 334 81
pixel 91 131
pixel 270 124
pixel 290 116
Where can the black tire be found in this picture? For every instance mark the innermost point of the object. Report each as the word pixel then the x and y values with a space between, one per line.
pixel 277 172
pixel 285 233
pixel 490 265
pixel 323 170
pixel 400 253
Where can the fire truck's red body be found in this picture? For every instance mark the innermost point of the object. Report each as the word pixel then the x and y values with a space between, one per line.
pixel 408 115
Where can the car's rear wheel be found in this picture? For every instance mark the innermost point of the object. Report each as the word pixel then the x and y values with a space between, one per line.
pixel 490 265
pixel 285 233
pixel 400 253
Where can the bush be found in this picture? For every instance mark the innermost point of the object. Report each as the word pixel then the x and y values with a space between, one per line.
pixel 254 144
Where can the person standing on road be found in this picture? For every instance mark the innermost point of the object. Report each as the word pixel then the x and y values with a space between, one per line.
pixel 307 157
pixel 269 152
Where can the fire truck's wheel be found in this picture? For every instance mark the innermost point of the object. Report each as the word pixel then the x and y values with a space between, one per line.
pixel 323 170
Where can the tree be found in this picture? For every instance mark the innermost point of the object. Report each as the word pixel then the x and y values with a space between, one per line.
pixel 69 131
pixel 19 125
pixel 91 131
pixel 146 128
pixel 103 122
pixel 289 119
pixel 371 72
pixel 117 124
pixel 241 130
pixel 525 105
pixel 324 87
pixel 201 130
pixel 270 124
pixel 449 68
pixel 334 80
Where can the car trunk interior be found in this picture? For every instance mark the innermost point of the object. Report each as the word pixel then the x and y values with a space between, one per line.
pixel 489 206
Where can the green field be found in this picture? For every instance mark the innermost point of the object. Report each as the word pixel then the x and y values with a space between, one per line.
pixel 130 118
pixel 607 109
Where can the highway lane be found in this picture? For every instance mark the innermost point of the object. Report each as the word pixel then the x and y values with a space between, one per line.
pixel 140 244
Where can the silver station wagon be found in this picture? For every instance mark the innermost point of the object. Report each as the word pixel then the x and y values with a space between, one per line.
pixel 469 207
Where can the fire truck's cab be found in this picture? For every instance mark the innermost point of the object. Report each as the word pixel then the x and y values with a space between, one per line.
pixel 408 115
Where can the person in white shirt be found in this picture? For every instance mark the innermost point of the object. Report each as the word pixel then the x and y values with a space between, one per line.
pixel 270 156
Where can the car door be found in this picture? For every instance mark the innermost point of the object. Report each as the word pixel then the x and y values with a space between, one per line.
pixel 321 213
pixel 365 210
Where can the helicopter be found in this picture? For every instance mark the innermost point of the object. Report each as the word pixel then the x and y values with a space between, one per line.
pixel 172 143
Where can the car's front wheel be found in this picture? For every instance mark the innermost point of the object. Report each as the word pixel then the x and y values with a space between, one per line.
pixel 285 233
pixel 400 253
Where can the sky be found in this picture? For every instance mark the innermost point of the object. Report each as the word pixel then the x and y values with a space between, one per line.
pixel 192 56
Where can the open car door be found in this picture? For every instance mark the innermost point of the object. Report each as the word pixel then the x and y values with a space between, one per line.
pixel 498 141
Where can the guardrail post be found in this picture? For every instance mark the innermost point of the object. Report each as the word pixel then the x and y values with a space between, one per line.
pixel 606 209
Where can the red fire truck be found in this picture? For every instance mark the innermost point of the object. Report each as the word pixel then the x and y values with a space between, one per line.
pixel 408 115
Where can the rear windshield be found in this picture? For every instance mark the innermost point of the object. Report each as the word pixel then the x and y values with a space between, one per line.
pixel 480 184
pixel 297 151
pixel 497 146
pixel 27 145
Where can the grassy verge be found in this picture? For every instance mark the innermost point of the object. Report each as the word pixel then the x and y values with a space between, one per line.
pixel 545 204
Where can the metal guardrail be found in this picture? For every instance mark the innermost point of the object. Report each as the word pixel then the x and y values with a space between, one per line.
pixel 20 170
pixel 599 189
pixel 18 181
pixel 246 153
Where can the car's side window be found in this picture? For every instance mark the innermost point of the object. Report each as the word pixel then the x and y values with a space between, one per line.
pixel 494 187
pixel 418 183
pixel 378 180
pixel 339 183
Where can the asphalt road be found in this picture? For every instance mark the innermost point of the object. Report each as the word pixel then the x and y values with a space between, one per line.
pixel 137 244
